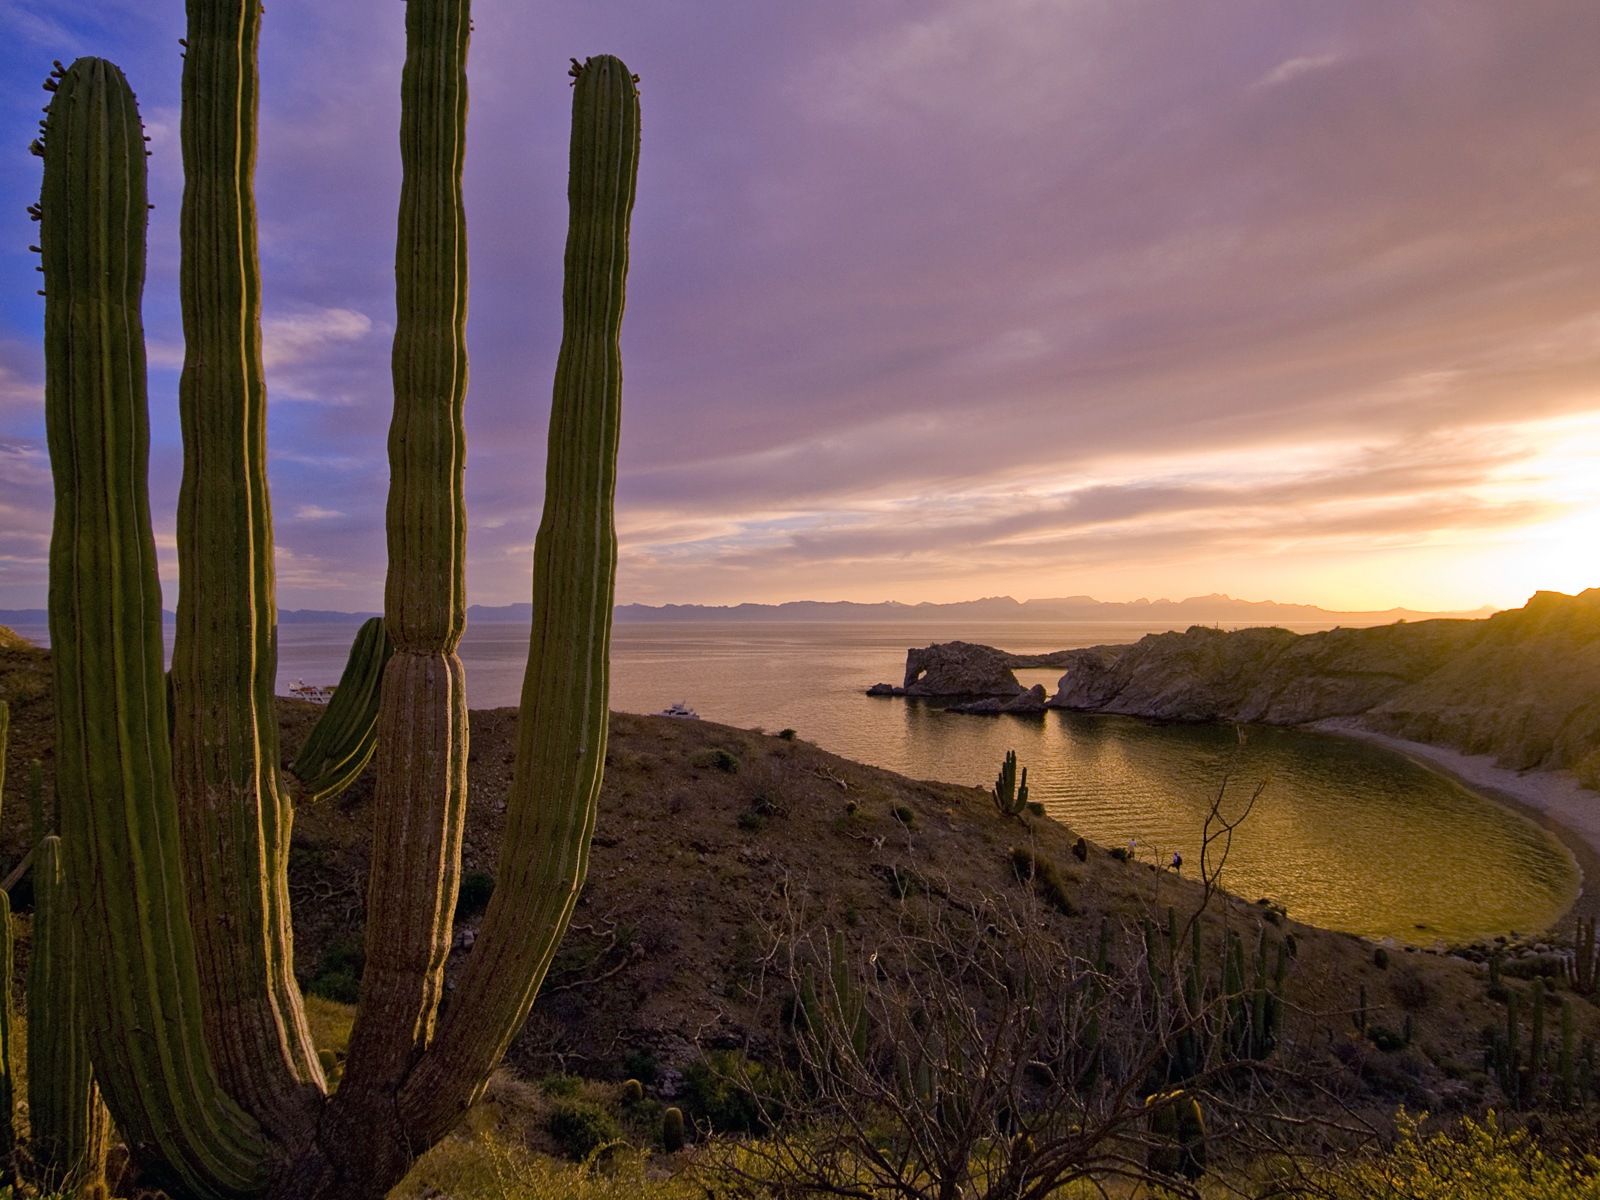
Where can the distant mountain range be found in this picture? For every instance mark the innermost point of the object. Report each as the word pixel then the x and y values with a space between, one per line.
pixel 1196 610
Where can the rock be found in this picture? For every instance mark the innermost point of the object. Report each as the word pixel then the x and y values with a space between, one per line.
pixel 990 706
pixel 883 689
pixel 1030 703
pixel 959 669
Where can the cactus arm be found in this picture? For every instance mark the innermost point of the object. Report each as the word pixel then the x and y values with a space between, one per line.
pixel 113 775
pixel 342 742
pixel 562 733
pixel 68 1120
pixel 422 720
pixel 235 817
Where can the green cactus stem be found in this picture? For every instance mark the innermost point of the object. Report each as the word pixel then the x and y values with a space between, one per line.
pixel 1010 796
pixel 672 1130
pixel 70 1127
pixel 40 821
pixel 420 799
pixel 234 812
pixel 113 770
pixel 344 738
pixel 562 731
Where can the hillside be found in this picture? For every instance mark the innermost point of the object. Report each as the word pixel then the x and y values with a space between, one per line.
pixel 1522 685
pixel 713 840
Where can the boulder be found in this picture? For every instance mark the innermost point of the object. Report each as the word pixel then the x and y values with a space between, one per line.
pixel 883 689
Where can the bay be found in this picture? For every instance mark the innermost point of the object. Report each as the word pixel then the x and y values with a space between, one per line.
pixel 1347 835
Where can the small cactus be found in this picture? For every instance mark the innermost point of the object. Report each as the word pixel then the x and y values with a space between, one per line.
pixel 632 1092
pixel 1010 794
pixel 672 1130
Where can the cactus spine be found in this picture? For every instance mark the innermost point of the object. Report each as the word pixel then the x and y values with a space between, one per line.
pixel 1010 795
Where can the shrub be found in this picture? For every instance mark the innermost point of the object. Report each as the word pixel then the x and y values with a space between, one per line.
pixel 473 896
pixel 338 975
pixel 1473 1162
pixel 725 760
pixel 1027 865
pixel 904 815
pixel 1380 959
pixel 581 1128
pixel 752 821
pixel 1080 849
pixel 786 734
pixel 560 1086
pixel 1386 1039
pixel 1036 808
pixel 729 1092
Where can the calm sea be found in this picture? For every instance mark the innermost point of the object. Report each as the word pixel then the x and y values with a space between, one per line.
pixel 1348 835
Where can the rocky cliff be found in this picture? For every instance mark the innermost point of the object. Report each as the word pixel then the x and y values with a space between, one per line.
pixel 1523 685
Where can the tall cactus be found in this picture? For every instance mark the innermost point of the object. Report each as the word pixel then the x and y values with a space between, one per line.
pixel 201 1046
pixel 1010 796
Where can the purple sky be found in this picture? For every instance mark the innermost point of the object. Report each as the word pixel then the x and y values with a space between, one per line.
pixel 930 299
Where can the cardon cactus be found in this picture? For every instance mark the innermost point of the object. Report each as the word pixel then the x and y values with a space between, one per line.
pixel 1010 795
pixel 177 847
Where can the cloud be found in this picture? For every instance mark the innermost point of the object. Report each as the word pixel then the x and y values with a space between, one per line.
pixel 934 295
pixel 1293 68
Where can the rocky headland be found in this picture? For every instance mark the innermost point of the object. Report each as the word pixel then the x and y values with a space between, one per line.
pixel 1522 686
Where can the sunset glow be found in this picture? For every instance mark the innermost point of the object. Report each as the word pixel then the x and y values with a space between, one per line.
pixel 931 301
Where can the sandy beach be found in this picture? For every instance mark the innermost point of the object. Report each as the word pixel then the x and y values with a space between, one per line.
pixel 1554 800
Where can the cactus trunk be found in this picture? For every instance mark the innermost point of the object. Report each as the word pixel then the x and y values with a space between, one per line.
pixel 113 770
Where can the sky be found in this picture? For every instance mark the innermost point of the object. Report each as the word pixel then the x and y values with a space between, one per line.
pixel 929 299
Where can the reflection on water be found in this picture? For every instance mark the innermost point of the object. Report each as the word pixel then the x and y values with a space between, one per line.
pixel 1346 834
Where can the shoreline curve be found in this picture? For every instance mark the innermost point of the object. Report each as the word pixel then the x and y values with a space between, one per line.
pixel 1553 800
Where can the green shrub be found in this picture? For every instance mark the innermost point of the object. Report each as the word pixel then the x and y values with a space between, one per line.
pixel 581 1128
pixel 1027 865
pixel 560 1086
pixel 752 821
pixel 786 734
pixel 1080 849
pixel 1036 808
pixel 904 815
pixel 473 895
pixel 1380 959
pixel 338 975
pixel 1472 1162
pixel 730 1093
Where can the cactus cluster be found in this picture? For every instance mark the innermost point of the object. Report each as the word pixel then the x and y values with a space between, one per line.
pixel 1177 1131
pixel 174 824
pixel 1526 1075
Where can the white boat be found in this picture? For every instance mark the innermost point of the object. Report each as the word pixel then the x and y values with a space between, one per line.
pixel 301 690
pixel 680 709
